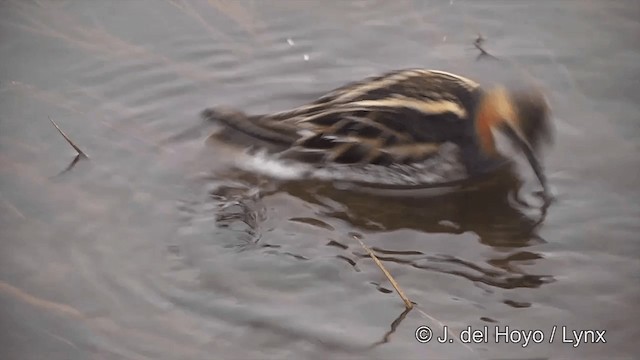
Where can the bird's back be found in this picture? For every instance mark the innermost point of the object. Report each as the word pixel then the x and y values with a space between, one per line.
pixel 417 88
pixel 402 116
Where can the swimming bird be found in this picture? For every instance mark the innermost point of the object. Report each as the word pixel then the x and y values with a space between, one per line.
pixel 405 117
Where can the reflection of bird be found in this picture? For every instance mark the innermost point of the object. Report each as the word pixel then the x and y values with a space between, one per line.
pixel 404 117
pixel 496 214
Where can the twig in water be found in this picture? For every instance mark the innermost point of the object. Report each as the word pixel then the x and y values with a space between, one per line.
pixel 81 154
pixel 483 53
pixel 75 147
pixel 407 303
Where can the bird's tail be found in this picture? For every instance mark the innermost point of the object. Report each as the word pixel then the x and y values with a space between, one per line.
pixel 260 127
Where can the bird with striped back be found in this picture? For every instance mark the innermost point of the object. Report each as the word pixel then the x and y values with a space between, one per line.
pixel 404 117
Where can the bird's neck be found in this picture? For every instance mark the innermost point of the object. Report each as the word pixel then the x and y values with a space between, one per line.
pixel 493 109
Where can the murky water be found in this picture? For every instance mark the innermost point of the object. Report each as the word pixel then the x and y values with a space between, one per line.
pixel 156 248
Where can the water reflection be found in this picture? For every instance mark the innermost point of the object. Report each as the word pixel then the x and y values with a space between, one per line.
pixel 491 210
pixel 254 268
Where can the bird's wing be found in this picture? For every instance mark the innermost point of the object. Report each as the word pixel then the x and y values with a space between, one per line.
pixel 400 117
pixel 372 135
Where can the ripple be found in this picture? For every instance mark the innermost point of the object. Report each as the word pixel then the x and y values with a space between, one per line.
pixel 313 222
pixel 133 254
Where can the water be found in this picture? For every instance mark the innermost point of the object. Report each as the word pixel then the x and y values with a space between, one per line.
pixel 155 248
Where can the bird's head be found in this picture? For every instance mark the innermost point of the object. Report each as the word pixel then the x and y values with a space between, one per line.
pixel 522 116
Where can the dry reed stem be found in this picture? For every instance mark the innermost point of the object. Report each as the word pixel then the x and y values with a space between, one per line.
pixel 80 152
pixel 407 303
pixel 63 102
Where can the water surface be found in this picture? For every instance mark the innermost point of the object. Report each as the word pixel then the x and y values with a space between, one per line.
pixel 155 248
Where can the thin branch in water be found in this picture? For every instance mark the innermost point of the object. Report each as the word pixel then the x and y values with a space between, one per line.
pixel 75 147
pixel 407 303
pixel 483 53
pixel 81 154
pixel 62 101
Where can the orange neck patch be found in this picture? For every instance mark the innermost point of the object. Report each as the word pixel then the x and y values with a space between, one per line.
pixel 495 108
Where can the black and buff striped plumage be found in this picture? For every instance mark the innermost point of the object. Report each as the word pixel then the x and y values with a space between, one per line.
pixel 401 117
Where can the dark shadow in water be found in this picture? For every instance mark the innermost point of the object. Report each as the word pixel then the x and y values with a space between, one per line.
pixel 490 209
pixel 394 325
pixel 69 167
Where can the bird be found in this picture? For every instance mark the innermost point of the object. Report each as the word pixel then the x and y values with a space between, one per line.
pixel 404 118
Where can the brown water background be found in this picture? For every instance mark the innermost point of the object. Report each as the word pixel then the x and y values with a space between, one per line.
pixel 155 249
